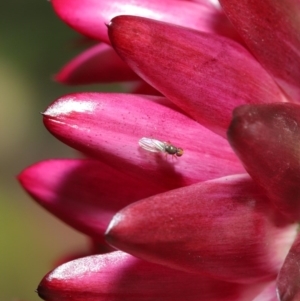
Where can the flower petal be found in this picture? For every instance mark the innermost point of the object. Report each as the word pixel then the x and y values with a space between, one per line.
pixel 109 126
pixel 205 75
pixel 83 193
pixel 90 16
pixel 97 64
pixel 143 88
pixel 266 139
pixel 288 281
pixel 94 247
pixel 271 30
pixel 120 277
pixel 268 294
pixel 224 228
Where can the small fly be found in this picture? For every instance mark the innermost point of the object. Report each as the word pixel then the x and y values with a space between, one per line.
pixel 155 146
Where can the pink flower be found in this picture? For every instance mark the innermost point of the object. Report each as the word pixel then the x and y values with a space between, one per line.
pixel 197 227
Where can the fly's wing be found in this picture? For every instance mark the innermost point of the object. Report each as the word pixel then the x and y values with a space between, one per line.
pixel 152 145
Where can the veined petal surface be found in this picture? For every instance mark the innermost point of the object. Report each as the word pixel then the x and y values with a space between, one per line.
pixel 83 193
pixel 109 126
pixel 99 63
pixel 271 30
pixel 90 16
pixel 288 280
pixel 121 277
pixel 224 228
pixel 205 75
pixel 266 139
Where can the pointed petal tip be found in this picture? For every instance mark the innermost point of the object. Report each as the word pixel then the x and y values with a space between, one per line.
pixel 157 235
pixel 104 125
pixel 111 233
pixel 41 293
pixel 72 103
pixel 59 78
pixel 207 73
pixel 97 64
pixel 121 277
pixel 25 177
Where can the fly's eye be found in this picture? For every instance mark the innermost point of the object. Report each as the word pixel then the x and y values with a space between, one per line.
pixel 179 152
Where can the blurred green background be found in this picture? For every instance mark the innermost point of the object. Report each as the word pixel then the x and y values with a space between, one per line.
pixel 34 45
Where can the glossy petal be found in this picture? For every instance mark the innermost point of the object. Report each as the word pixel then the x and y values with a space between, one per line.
pixel 109 126
pixel 120 277
pixel 224 228
pixel 271 30
pixel 83 193
pixel 266 139
pixel 90 16
pixel 288 281
pixel 97 64
pixel 205 75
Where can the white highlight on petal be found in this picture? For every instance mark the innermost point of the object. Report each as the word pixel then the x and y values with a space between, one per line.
pixel 135 10
pixel 216 3
pixel 95 268
pixel 68 106
pixel 116 219
pixel 87 266
pixel 283 242
pixel 72 269
pixel 268 294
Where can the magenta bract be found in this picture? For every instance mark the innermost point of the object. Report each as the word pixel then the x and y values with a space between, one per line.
pixel 200 228
pixel 265 137
pixel 197 71
pixel 196 227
